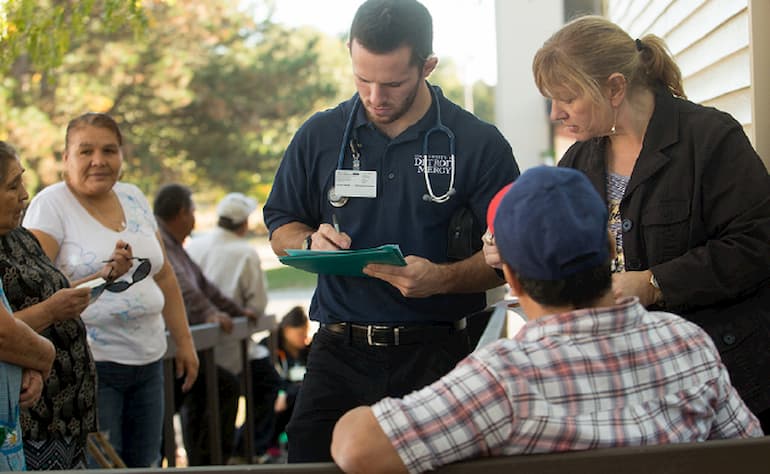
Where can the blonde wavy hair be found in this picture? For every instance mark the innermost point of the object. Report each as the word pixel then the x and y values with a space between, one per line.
pixel 580 57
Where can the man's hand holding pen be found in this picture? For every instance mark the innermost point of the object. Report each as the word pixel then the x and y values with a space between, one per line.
pixel 329 237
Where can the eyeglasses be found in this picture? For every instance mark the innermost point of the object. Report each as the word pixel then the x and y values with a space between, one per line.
pixel 139 274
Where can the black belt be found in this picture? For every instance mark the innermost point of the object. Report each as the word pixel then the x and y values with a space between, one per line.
pixel 379 335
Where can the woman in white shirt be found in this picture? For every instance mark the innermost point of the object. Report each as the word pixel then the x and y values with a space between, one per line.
pixel 75 222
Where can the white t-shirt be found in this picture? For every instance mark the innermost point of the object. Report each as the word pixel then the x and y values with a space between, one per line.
pixel 233 265
pixel 126 327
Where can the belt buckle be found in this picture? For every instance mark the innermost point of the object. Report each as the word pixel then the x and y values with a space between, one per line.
pixel 369 330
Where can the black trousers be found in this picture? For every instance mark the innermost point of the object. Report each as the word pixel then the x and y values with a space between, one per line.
pixel 341 376
pixel 195 430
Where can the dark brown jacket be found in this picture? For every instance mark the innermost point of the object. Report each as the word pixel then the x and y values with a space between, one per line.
pixel 697 213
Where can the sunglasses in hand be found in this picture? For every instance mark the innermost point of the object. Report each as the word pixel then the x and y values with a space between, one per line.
pixel 99 285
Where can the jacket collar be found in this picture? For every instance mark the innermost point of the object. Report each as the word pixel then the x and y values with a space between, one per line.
pixel 662 132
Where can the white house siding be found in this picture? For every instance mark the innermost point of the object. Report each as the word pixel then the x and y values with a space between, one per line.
pixel 759 13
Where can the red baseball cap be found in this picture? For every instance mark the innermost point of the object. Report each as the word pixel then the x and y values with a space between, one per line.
pixel 492 209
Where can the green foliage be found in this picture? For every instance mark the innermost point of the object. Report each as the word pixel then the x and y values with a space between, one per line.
pixel 206 95
pixel 41 31
pixel 484 101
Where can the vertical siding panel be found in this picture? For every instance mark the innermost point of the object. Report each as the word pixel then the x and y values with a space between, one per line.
pixel 759 12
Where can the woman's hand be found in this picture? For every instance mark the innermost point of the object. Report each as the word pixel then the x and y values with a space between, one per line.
pixel 491 254
pixel 187 365
pixel 31 387
pixel 119 262
pixel 635 284
pixel 68 303
pixel 281 403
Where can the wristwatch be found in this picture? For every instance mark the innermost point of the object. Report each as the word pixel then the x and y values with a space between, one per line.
pixel 654 283
pixel 308 243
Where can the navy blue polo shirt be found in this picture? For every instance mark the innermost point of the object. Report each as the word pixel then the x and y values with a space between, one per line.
pixel 399 214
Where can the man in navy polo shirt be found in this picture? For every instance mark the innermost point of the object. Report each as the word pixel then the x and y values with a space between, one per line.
pixel 392 165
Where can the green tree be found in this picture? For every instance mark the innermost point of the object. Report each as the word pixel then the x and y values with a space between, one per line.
pixel 206 95
pixel 41 31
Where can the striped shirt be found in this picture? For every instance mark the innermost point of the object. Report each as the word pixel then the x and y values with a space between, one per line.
pixel 599 377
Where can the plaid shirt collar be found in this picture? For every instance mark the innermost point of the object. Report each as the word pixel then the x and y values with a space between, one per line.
pixel 624 314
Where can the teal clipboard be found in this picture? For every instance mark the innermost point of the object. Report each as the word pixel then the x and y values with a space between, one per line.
pixel 343 262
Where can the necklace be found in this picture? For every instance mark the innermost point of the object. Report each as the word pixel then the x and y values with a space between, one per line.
pixel 111 222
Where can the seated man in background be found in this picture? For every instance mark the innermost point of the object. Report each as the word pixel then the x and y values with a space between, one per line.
pixel 229 261
pixel 175 212
pixel 586 371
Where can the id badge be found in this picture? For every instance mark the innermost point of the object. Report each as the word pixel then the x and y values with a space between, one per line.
pixel 352 183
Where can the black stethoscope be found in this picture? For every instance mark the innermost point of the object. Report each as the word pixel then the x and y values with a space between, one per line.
pixel 439 127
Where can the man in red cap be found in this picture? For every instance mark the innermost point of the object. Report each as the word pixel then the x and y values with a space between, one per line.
pixel 586 371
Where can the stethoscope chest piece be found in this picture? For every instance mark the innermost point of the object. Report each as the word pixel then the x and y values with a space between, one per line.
pixel 335 200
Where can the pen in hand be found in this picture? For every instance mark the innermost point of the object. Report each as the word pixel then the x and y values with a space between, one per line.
pixel 335 223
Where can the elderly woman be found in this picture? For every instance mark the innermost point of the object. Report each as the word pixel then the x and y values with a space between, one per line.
pixel 689 198
pixel 74 220
pixel 54 428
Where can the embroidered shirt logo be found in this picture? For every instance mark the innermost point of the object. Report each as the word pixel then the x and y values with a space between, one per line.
pixel 437 164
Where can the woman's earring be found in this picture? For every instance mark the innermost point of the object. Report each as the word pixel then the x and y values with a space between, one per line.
pixel 614 121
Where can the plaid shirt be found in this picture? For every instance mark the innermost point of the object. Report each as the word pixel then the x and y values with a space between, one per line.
pixel 592 378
